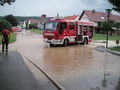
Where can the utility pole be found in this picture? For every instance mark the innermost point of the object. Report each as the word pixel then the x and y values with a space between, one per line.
pixel 108 19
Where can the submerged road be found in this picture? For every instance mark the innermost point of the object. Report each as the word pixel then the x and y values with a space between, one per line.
pixel 77 67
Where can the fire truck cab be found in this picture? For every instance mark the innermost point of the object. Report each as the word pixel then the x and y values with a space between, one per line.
pixel 66 32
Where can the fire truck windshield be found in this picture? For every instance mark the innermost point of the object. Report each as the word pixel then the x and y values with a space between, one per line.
pixel 51 25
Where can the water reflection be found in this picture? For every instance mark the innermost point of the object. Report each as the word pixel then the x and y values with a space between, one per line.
pixel 118 85
pixel 64 59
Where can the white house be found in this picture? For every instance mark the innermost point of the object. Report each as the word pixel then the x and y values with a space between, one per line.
pixel 97 17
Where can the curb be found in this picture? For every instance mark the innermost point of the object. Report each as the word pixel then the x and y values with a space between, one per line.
pixel 114 52
pixel 102 49
pixel 98 48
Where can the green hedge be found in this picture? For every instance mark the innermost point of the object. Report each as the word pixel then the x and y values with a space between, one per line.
pixel 37 31
pixel 103 37
pixel 12 38
pixel 115 48
pixel 4 24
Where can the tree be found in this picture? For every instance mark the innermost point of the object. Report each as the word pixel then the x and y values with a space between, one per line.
pixel 116 4
pixel 4 24
pixel 12 20
pixel 117 25
pixel 107 26
pixel 2 2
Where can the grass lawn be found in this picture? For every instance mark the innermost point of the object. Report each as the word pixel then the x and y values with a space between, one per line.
pixel 115 48
pixel 12 38
pixel 37 31
pixel 103 37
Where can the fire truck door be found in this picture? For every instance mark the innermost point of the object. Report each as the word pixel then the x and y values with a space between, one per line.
pixel 62 27
pixel 72 29
pixel 72 32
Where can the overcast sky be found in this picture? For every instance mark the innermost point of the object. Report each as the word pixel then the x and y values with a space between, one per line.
pixel 52 7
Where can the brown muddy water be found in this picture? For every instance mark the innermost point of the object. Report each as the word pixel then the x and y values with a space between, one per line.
pixel 76 67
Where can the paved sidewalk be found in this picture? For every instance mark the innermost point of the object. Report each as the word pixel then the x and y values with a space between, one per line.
pixel 103 49
pixel 15 75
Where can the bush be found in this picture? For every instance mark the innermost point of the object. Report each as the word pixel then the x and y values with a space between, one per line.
pixel 4 24
pixel 31 26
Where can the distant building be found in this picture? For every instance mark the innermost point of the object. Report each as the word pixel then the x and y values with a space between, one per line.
pixel 34 22
pixel 24 24
pixel 42 21
pixel 97 17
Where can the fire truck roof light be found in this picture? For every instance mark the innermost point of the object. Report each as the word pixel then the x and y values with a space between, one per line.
pixel 56 19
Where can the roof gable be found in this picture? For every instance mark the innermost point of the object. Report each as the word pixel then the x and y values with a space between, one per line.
pixel 33 21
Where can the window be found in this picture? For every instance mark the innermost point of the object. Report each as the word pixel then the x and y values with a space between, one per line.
pixel 102 18
pixel 62 25
pixel 51 25
pixel 72 26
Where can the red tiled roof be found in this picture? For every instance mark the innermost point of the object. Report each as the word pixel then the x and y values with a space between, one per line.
pixel 33 21
pixel 99 16
pixel 115 18
pixel 71 17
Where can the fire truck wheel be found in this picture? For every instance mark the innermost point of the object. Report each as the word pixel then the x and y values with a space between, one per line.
pixel 85 41
pixel 66 42
pixel 51 45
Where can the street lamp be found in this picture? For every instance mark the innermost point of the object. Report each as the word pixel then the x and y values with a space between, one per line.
pixel 108 16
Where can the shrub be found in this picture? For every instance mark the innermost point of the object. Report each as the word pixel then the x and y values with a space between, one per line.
pixel 31 26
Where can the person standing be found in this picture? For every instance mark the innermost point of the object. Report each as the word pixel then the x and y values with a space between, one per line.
pixel 5 39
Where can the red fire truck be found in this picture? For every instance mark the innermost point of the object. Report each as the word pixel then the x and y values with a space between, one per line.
pixel 66 32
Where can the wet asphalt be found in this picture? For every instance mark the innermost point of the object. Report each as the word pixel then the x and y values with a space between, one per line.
pixel 14 74
pixel 76 67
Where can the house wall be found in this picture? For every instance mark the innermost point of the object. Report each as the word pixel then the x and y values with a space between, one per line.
pixel 96 23
pixel 85 18
pixel 24 24
pixel 41 22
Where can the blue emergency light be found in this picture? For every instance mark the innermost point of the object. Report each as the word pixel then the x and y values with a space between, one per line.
pixel 55 19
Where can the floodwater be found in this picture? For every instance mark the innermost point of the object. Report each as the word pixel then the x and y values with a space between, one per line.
pixel 77 67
